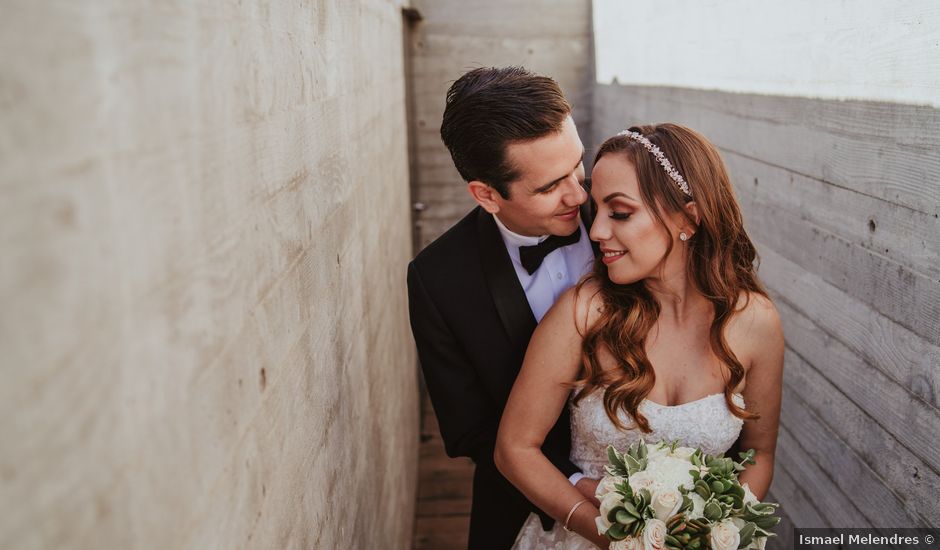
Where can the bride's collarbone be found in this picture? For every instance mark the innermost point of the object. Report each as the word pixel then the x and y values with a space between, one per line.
pixel 682 378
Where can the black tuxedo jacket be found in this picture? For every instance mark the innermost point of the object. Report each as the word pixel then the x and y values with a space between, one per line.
pixel 472 323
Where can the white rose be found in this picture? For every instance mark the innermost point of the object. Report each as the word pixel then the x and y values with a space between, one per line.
pixel 725 536
pixel 656 451
pixel 642 480
pixel 654 535
pixel 606 485
pixel 602 524
pixel 629 543
pixel 683 452
pixel 671 472
pixel 666 503
pixel 698 506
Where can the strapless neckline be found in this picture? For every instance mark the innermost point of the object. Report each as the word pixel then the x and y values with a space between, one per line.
pixel 679 406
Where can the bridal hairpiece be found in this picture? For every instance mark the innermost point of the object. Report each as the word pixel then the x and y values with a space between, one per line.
pixel 663 161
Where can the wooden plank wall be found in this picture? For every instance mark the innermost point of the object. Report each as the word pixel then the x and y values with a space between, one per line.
pixel 204 230
pixel 842 199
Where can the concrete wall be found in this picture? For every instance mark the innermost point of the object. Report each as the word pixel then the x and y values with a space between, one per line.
pixel 549 37
pixel 843 200
pixel 204 230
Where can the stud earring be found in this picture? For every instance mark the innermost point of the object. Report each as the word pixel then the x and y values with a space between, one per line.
pixel 683 236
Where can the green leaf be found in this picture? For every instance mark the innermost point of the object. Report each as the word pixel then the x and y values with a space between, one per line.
pixel 616 532
pixel 631 509
pixel 766 522
pixel 644 499
pixel 637 527
pixel 623 517
pixel 747 534
pixel 712 511
pixel 686 504
pixel 612 514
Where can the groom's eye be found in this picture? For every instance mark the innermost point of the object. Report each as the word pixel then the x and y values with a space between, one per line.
pixel 546 188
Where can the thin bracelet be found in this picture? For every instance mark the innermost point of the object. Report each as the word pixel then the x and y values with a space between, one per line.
pixel 571 512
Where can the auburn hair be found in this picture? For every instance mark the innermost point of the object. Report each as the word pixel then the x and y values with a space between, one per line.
pixel 721 264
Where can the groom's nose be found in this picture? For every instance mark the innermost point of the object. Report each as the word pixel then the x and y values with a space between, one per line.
pixel 575 194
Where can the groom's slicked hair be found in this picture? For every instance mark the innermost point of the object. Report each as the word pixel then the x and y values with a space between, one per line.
pixel 489 108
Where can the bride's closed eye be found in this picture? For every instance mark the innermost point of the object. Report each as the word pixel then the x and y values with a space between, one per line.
pixel 619 215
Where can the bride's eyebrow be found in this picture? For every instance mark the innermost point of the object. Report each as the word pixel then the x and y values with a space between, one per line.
pixel 616 194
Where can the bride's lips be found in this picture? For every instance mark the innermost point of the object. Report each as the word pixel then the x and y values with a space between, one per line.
pixel 610 256
pixel 568 216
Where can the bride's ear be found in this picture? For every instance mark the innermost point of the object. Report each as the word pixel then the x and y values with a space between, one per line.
pixel 486 196
pixel 691 209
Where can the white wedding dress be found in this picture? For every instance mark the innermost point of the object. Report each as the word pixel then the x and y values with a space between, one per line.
pixel 706 423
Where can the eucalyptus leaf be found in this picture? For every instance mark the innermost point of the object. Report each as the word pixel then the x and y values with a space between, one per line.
pixel 616 532
pixel 612 514
pixel 767 522
pixel 747 534
pixel 629 507
pixel 712 511
pixel 623 517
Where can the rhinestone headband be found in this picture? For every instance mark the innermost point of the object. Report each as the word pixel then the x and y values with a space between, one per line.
pixel 663 161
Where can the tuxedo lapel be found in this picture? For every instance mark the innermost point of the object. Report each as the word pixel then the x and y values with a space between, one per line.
pixel 508 295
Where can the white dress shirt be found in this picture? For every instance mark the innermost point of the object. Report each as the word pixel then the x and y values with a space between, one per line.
pixel 560 269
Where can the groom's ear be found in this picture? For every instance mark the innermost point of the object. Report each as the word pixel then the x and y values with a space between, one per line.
pixel 486 196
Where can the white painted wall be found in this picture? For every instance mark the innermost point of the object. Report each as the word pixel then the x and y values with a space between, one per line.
pixel 865 49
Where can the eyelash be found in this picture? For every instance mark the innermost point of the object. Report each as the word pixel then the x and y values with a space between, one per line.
pixel 619 215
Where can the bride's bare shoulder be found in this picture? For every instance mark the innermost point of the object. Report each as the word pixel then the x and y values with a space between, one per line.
pixel 584 303
pixel 755 323
pixel 756 310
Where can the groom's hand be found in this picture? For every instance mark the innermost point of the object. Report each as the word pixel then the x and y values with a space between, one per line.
pixel 587 487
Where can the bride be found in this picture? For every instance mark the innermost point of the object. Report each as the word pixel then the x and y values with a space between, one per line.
pixel 671 337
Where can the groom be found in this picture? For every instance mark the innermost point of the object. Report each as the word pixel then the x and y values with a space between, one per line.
pixel 477 292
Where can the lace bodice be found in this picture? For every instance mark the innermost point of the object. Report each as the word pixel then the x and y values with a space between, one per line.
pixel 705 423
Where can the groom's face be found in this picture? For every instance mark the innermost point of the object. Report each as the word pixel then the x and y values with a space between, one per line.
pixel 544 200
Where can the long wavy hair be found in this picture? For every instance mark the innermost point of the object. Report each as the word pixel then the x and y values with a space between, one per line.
pixel 721 265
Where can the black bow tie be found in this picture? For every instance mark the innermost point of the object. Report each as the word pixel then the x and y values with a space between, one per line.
pixel 532 256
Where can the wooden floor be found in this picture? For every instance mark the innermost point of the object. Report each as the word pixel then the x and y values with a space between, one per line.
pixel 444 487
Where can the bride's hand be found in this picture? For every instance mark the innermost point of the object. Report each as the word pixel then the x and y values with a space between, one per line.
pixel 588 487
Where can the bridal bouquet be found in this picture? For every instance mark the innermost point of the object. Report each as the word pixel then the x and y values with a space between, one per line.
pixel 669 497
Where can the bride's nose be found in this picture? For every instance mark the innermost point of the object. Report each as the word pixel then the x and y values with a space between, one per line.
pixel 600 229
